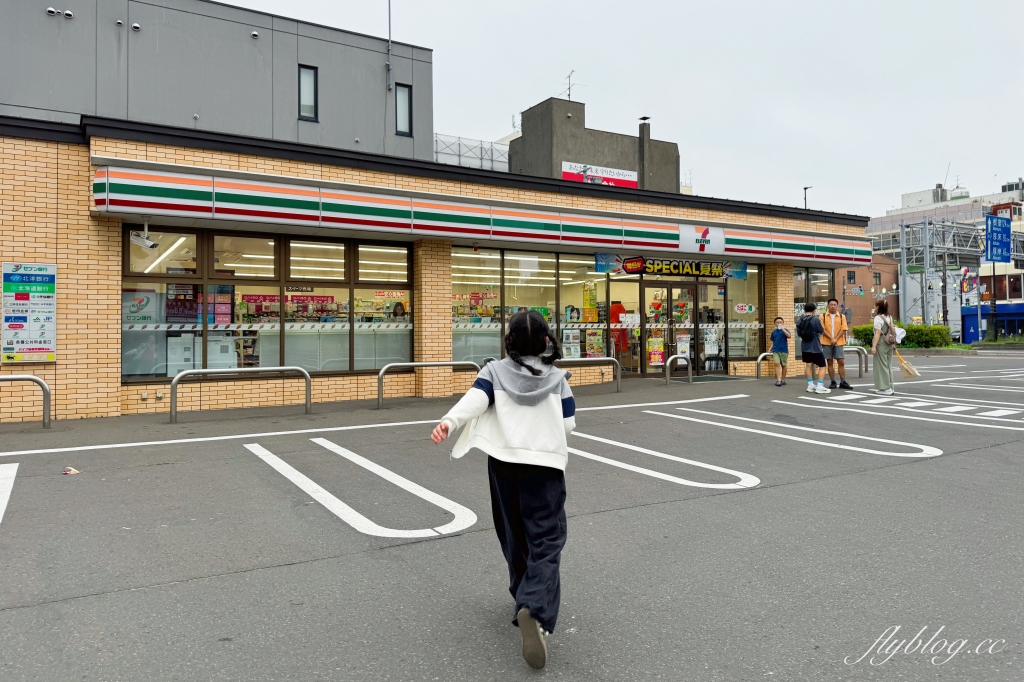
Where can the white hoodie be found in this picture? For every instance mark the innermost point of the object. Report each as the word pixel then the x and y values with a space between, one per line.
pixel 515 416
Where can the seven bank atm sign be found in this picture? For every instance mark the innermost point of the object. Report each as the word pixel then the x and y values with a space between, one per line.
pixel 29 329
pixel 998 242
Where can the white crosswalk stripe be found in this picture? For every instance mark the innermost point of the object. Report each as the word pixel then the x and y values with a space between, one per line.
pixel 998 413
pixel 956 408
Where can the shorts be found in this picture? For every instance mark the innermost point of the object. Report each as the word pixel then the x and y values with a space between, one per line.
pixel 814 358
pixel 832 352
pixel 780 358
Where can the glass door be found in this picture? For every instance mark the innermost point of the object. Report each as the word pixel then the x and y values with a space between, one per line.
pixel 685 340
pixel 670 328
pixel 655 333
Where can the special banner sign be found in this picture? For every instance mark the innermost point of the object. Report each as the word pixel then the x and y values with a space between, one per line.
pixel 29 332
pixel 605 262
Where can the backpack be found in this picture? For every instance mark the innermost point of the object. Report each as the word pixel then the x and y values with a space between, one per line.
pixel 890 334
pixel 805 330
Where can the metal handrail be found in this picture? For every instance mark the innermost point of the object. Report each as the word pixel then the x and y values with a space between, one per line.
pixel 240 370
pixel 668 369
pixel 465 364
pixel 42 384
pixel 597 361
pixel 762 356
pixel 862 358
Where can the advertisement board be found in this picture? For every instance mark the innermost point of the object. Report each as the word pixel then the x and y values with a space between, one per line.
pixel 29 331
pixel 598 175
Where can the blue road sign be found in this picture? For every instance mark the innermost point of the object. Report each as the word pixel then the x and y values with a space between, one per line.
pixel 998 242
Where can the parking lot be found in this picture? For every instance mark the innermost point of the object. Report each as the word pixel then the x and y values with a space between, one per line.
pixel 724 530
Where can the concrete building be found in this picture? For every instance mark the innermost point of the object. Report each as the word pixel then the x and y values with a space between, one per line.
pixel 215 69
pixel 140 242
pixel 556 143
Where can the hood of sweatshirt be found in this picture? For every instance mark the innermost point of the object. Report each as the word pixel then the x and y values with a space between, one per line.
pixel 522 386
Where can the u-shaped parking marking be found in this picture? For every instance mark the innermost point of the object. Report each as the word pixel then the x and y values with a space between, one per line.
pixel 7 474
pixel 746 480
pixel 464 518
pixel 926 450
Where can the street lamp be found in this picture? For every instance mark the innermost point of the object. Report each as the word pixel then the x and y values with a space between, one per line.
pixel 805 194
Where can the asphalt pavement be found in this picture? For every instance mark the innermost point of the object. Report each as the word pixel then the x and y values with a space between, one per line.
pixel 726 530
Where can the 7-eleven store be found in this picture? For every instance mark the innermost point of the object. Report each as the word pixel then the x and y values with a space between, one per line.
pixel 269 254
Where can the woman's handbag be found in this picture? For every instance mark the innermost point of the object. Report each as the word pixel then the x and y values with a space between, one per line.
pixel 907 369
pixel 892 333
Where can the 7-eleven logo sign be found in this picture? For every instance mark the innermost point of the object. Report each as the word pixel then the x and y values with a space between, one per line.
pixel 703 238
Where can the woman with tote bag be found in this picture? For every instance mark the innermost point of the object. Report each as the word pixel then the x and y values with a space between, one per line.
pixel 881 347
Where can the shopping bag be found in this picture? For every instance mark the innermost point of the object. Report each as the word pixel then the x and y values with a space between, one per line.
pixel 907 369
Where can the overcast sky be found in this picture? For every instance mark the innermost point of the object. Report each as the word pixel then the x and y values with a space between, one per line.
pixel 862 100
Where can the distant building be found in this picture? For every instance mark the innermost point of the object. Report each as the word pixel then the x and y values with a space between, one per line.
pixel 555 143
pixel 882 274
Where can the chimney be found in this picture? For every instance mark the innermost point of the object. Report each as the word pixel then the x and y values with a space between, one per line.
pixel 644 170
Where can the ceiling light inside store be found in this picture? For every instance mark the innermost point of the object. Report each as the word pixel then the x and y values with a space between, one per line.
pixel 318 246
pixel 255 255
pixel 321 260
pixel 380 250
pixel 247 265
pixel 165 254
pixel 317 268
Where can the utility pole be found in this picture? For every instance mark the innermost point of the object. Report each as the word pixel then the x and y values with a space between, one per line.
pixel 924 276
pixel 945 303
pixel 904 296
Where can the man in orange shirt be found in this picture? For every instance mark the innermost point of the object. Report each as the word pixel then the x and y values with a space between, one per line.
pixel 833 342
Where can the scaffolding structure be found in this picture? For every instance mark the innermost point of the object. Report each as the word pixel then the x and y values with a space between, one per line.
pixel 928 245
pixel 461 151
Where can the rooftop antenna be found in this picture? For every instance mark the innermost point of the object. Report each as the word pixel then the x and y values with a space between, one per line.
pixel 947 168
pixel 389 45
pixel 568 78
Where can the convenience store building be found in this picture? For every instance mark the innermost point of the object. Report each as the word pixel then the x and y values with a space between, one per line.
pixel 178 248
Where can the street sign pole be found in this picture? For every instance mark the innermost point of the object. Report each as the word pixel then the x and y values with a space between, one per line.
pixel 903 273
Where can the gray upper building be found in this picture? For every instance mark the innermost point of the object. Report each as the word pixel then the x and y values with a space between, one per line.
pixel 212 67
pixel 556 143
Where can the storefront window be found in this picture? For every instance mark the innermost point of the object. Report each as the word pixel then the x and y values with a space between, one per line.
pixel 744 310
pixel 161 329
pixel 243 326
pixel 821 287
pixel 476 304
pixel 383 264
pixel 383 326
pixel 244 257
pixel 583 308
pixel 1014 286
pixel 529 283
pixel 174 254
pixel 624 316
pixel 312 260
pixel 316 328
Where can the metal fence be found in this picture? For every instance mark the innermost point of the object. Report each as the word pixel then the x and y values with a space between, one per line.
pixel 461 151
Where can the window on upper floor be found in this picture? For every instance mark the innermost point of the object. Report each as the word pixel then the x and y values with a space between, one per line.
pixel 308 93
pixel 851 276
pixel 877 278
pixel 403 109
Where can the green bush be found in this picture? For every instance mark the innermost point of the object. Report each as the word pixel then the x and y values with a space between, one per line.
pixel 864 333
pixel 918 335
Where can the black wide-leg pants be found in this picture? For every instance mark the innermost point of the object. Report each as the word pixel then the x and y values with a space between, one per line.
pixel 528 504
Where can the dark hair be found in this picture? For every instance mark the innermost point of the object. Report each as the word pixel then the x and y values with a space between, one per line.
pixel 882 308
pixel 529 334
pixel 834 299
pixel 810 307
pixel 778 318
pixel 398 310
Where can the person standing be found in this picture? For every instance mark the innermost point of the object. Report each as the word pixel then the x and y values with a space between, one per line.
pixel 833 341
pixel 780 350
pixel 881 347
pixel 520 411
pixel 809 330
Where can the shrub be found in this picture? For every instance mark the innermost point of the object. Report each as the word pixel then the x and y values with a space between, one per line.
pixel 864 333
pixel 918 335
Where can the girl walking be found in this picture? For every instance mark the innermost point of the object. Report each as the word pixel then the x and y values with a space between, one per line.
pixel 881 348
pixel 519 411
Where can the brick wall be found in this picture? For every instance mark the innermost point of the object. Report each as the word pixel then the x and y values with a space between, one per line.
pixel 45 199
pixel 432 331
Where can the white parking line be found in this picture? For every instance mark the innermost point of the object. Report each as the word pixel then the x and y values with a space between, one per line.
pixel 464 518
pixel 209 439
pixel 986 388
pixel 918 403
pixel 877 401
pixel 670 402
pixel 933 381
pixel 7 474
pixel 926 450
pixel 954 408
pixel 954 401
pixel 746 480
pixel 876 413
pixel 998 413
pixel 911 407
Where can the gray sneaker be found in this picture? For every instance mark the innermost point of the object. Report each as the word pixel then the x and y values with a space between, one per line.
pixel 535 649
